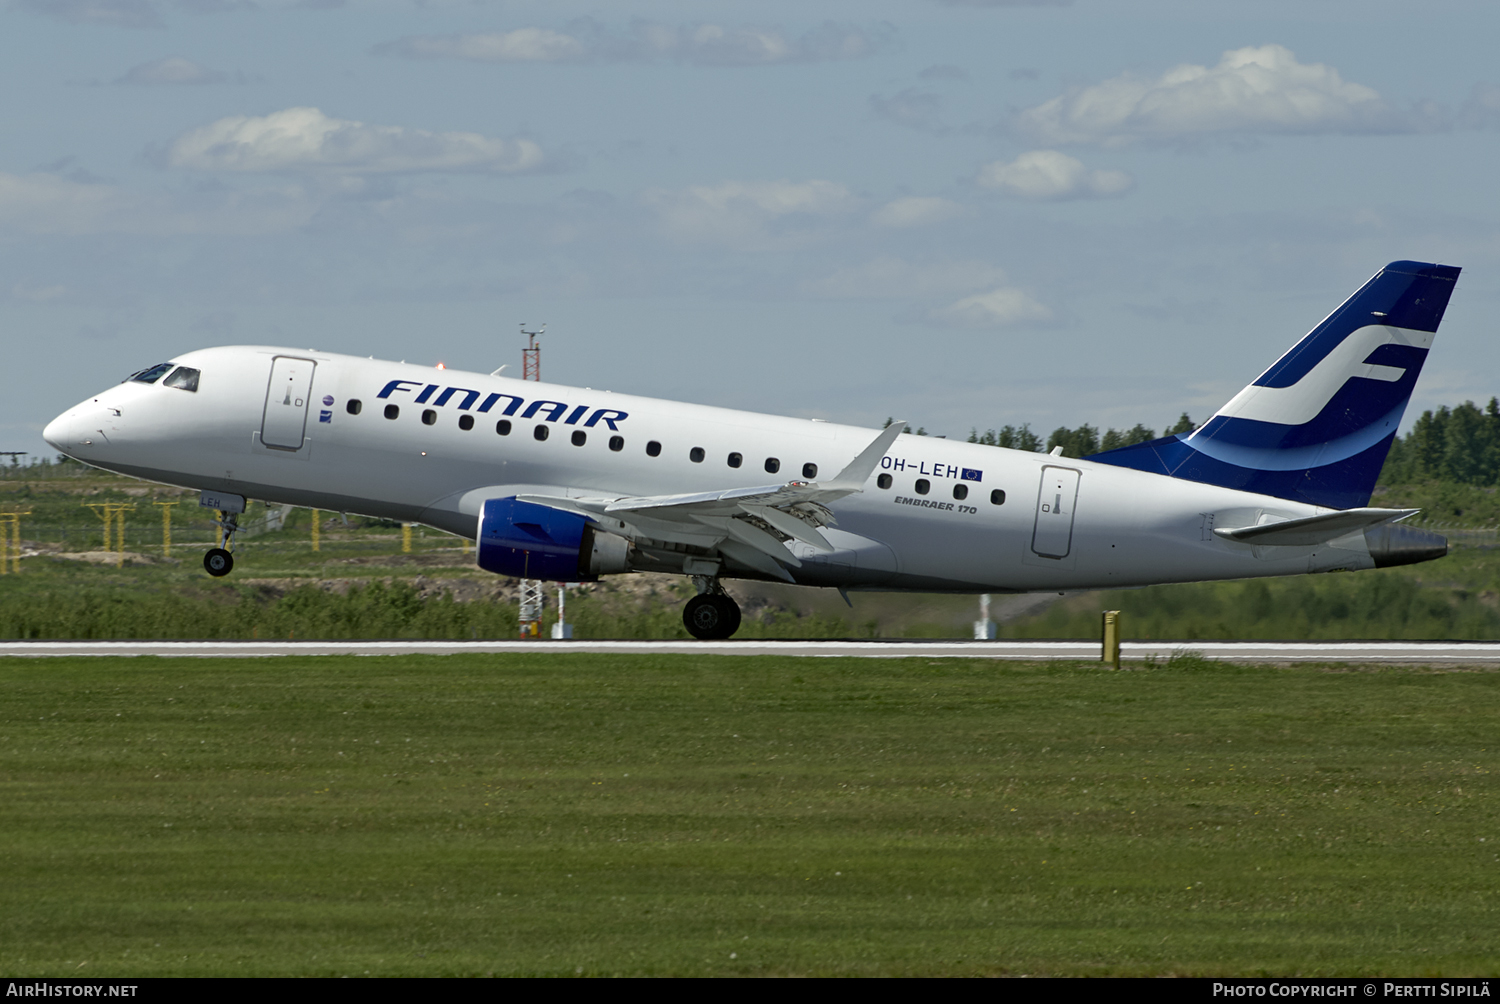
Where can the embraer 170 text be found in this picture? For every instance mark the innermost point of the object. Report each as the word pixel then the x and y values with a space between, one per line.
pixel 568 484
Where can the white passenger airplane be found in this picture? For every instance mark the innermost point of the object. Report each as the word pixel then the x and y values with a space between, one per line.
pixel 567 484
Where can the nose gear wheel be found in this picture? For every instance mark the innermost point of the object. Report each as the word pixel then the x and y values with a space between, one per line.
pixel 218 562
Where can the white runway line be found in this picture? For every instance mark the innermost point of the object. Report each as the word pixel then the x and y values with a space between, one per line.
pixel 1477 653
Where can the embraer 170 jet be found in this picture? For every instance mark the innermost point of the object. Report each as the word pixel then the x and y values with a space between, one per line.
pixel 568 484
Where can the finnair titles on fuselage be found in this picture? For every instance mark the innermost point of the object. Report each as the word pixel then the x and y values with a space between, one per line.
pixel 567 483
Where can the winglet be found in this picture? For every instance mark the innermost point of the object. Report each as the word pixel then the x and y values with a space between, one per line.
pixel 853 477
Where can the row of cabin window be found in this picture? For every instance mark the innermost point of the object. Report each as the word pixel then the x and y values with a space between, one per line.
pixel 960 490
pixel 653 449
pixel 616 443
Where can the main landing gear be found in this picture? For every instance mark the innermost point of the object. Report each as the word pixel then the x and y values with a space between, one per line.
pixel 219 562
pixel 712 614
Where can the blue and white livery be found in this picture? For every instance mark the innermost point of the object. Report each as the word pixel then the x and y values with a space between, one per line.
pixel 568 483
pixel 1317 425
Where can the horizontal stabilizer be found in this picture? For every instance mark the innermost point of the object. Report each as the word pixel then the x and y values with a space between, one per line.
pixel 1313 529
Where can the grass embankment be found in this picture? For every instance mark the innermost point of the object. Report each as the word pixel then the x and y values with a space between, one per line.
pixel 281 587
pixel 1372 604
pixel 678 815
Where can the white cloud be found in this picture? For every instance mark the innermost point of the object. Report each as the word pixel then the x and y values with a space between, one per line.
pixel 1252 90
pixel 48 204
pixel 38 293
pixel 748 212
pixel 524 45
pixel 912 108
pixel 893 279
pixel 915 211
pixel 171 70
pixel 1052 176
pixel 120 13
pixel 586 40
pixel 996 309
pixel 997 304
pixel 304 139
pixel 945 71
pixel 1481 110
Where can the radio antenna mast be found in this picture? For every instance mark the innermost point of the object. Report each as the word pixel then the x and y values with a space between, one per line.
pixel 532 596
pixel 531 355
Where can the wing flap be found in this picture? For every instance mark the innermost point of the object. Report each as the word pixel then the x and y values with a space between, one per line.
pixel 753 558
pixel 754 536
pixel 791 526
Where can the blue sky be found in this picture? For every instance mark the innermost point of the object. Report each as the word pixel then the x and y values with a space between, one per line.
pixel 964 214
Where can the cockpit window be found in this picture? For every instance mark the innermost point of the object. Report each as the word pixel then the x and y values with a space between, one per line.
pixel 150 375
pixel 183 378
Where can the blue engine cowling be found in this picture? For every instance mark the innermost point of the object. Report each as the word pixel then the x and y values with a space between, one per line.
pixel 532 541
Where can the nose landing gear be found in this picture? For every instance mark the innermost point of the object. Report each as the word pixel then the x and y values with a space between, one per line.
pixel 218 561
pixel 712 614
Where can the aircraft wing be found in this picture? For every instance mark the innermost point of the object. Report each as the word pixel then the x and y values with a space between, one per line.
pixel 1314 529
pixel 747 525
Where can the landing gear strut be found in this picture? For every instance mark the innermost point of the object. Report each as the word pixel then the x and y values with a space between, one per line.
pixel 712 614
pixel 218 561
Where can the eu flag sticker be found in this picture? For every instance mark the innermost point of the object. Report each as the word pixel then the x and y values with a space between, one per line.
pixel 325 416
pixel 970 474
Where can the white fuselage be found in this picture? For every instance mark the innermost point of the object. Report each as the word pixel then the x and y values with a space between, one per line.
pixel 1121 527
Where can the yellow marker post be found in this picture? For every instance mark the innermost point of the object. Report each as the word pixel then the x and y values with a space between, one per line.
pixel 166 527
pixel 113 514
pixel 101 509
pixel 405 538
pixel 317 545
pixel 1111 653
pixel 10 541
pixel 120 534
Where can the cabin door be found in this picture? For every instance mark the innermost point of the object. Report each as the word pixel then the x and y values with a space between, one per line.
pixel 1053 534
pixel 285 419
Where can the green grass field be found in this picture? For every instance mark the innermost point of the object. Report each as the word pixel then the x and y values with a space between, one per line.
pixel 573 814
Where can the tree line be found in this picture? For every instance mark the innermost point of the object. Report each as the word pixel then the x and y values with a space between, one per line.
pixel 1459 445
pixel 1079 442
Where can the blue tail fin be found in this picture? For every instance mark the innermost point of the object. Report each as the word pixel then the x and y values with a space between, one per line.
pixel 1317 425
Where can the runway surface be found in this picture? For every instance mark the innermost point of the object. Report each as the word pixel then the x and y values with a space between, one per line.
pixel 1443 653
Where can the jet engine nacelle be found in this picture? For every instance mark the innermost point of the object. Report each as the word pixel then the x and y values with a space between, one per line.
pixel 530 541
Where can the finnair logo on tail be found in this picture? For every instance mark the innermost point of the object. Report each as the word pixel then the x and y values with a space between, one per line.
pixel 1305 400
pixel 1302 442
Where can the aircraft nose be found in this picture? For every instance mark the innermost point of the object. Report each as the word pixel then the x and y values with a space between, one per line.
pixel 56 432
